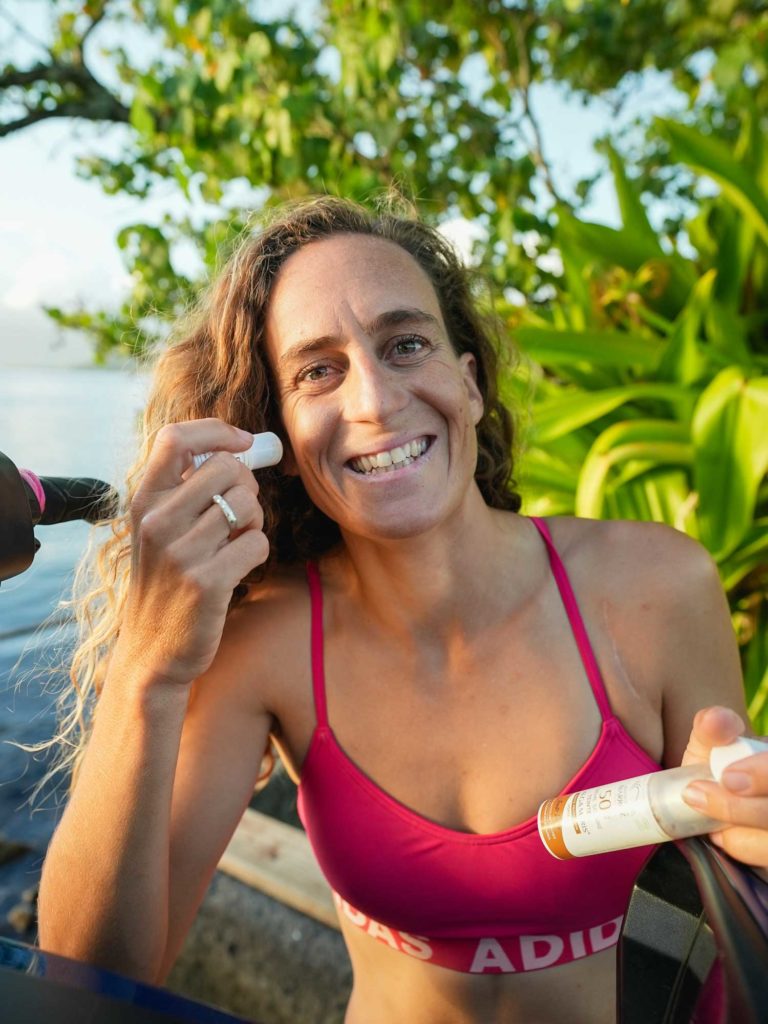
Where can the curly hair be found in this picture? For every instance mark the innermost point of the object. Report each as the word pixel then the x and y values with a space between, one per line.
pixel 219 367
pixel 215 365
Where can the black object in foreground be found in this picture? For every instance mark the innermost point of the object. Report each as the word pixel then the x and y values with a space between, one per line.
pixel 36 986
pixel 66 498
pixel 694 945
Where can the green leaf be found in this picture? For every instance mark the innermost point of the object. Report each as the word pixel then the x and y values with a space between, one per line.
pixel 751 554
pixel 652 442
pixel 141 119
pixel 569 411
pixel 730 435
pixel 710 156
pixel 633 213
pixel 685 360
pixel 603 348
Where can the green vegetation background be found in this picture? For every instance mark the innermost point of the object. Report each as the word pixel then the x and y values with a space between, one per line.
pixel 644 371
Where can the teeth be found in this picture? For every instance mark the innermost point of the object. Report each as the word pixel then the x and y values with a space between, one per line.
pixel 384 462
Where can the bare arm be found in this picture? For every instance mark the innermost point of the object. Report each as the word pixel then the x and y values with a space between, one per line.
pixel 703 701
pixel 106 889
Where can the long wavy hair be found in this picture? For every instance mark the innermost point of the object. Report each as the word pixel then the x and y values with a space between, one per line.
pixel 215 365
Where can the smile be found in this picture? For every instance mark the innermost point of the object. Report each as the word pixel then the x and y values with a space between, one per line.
pixel 393 458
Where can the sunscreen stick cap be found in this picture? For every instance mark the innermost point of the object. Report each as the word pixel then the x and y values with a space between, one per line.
pixel 266 450
pixel 721 757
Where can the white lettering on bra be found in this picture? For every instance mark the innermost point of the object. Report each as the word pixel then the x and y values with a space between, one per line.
pixel 577 944
pixel 599 940
pixel 489 956
pixel 380 931
pixel 533 961
pixel 415 945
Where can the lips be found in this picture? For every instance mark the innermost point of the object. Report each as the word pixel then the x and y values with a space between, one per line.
pixel 391 458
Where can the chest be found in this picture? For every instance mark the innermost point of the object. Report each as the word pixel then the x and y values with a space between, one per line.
pixel 472 739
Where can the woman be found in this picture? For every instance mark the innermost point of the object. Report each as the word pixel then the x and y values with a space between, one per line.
pixel 451 684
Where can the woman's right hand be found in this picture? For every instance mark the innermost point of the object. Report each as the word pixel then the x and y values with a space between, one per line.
pixel 185 562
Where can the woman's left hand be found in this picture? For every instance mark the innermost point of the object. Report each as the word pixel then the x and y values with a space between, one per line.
pixel 742 798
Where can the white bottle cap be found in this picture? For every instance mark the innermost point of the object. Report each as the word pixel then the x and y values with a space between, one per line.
pixel 721 757
pixel 266 450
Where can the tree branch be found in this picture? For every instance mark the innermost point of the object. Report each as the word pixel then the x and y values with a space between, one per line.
pixel 61 74
pixel 525 87
pixel 95 102
pixel 71 109
pixel 94 22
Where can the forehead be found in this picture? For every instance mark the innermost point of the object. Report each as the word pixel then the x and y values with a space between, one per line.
pixel 332 278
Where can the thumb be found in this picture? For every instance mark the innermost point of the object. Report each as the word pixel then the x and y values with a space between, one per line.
pixel 712 727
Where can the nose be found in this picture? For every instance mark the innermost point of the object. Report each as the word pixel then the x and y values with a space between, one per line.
pixel 374 392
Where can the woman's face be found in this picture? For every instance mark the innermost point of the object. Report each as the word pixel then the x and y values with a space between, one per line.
pixel 379 410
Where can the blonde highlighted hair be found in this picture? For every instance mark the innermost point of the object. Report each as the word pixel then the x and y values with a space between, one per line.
pixel 215 365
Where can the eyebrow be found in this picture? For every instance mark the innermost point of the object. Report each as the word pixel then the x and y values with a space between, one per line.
pixel 389 318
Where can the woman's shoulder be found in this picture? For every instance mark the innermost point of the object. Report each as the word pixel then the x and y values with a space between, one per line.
pixel 641 555
pixel 265 642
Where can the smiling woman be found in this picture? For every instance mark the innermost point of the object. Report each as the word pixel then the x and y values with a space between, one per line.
pixel 429 663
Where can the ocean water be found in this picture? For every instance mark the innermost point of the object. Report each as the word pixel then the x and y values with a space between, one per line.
pixel 55 422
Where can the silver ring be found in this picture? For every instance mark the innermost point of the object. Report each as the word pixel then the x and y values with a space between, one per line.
pixel 226 508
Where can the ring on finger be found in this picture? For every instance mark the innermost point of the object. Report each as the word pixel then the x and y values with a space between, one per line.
pixel 227 510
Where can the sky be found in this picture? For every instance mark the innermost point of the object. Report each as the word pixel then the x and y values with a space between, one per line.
pixel 57 231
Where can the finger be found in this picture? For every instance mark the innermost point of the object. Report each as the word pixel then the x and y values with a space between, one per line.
pixel 176 444
pixel 749 845
pixel 233 561
pixel 216 476
pixel 176 513
pixel 712 727
pixel 718 802
pixel 214 524
pixel 748 777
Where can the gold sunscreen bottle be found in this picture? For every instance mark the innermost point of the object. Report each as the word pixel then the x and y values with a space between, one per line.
pixel 635 812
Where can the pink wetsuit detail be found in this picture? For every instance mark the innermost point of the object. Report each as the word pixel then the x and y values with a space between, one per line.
pixel 487 903
pixel 37 488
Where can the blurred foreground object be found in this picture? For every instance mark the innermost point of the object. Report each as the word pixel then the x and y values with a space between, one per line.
pixel 27 500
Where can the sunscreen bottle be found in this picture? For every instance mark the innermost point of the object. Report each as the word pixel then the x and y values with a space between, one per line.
pixel 635 812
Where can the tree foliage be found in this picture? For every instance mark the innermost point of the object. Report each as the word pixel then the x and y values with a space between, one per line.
pixel 219 100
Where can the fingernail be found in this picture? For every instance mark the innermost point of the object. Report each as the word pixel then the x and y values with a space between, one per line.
pixel 737 781
pixel 247 435
pixel 695 797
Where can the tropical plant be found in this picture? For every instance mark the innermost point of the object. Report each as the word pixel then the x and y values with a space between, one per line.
pixel 649 377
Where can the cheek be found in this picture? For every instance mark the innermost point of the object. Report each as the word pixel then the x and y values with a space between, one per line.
pixel 307 431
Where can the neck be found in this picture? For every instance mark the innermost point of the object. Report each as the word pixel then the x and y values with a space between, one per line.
pixel 448 583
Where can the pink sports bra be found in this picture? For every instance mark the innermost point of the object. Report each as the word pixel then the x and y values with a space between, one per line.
pixel 488 903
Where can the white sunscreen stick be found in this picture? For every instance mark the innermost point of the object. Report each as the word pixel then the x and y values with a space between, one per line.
pixel 266 450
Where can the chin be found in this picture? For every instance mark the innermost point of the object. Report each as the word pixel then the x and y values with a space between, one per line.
pixel 397 527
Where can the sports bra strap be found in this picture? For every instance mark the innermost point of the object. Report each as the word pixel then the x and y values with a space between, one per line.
pixel 566 593
pixel 318 670
pixel 577 623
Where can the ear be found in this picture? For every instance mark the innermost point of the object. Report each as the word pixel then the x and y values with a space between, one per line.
pixel 469 373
